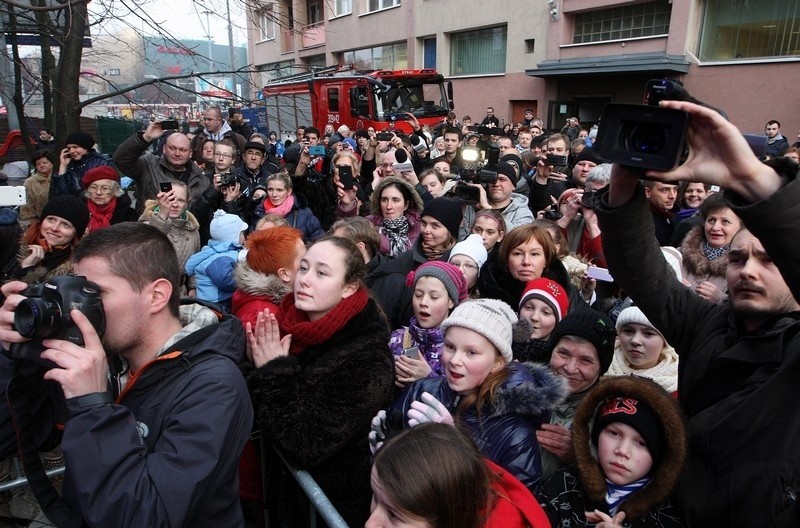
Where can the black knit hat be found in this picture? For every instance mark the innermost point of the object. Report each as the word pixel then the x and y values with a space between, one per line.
pixel 595 327
pixel 588 154
pixel 509 171
pixel 82 139
pixel 70 208
pixel 447 211
pixel 637 414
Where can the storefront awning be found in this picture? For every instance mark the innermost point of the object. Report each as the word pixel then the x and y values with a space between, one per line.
pixel 642 62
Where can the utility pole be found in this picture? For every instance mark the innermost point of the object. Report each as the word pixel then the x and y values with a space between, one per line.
pixel 231 49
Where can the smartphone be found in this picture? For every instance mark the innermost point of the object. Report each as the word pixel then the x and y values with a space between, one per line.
pixel 403 167
pixel 317 150
pixel 597 273
pixel 165 186
pixel 384 136
pixel 554 160
pixel 346 176
pixel 169 124
pixel 411 352
pixel 714 188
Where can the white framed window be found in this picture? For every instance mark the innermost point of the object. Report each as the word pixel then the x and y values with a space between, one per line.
pixel 342 7
pixel 266 24
pixel 377 5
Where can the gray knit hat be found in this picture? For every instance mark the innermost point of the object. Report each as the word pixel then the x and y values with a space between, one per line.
pixel 490 318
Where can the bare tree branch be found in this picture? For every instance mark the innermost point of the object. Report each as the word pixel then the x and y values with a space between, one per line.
pixel 30 7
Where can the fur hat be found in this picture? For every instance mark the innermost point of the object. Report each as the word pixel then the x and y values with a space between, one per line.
pixel 634 315
pixel 490 318
pixel 595 327
pixel 226 227
pixel 472 246
pixel 70 208
pixel 82 139
pixel 272 249
pixel 447 211
pixel 104 172
pixel 550 292
pixel 449 275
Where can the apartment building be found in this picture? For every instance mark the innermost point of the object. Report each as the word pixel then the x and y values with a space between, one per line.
pixel 558 57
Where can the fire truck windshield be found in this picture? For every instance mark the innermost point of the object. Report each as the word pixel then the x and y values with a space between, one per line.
pixel 420 98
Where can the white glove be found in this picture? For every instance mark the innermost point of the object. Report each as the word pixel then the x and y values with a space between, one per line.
pixel 377 432
pixel 428 409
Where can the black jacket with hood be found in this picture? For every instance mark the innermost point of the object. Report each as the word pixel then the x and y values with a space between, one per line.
pixel 574 490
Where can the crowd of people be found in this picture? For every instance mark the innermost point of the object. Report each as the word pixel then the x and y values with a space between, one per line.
pixel 540 339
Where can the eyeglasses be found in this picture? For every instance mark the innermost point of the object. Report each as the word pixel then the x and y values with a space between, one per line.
pixel 222 155
pixel 105 189
pixel 465 265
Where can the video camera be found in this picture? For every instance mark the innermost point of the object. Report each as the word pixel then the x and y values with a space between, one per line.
pixel 479 166
pixel 45 314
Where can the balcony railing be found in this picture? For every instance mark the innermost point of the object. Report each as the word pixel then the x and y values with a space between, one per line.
pixel 314 35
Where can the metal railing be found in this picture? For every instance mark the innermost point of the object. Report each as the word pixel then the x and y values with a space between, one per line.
pixel 319 501
pixel 22 481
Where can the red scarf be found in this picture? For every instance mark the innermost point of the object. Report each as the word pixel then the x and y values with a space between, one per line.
pixel 100 215
pixel 306 333
pixel 283 209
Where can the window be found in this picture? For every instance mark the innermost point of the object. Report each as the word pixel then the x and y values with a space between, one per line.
pixel 333 99
pixel 742 29
pixel 478 52
pixel 639 20
pixel 429 53
pixel 377 5
pixel 389 57
pixel 314 14
pixel 530 45
pixel 266 24
pixel 342 7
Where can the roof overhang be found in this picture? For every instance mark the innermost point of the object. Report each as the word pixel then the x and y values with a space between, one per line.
pixel 641 62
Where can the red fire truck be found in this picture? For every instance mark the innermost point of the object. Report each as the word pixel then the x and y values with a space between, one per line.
pixel 358 99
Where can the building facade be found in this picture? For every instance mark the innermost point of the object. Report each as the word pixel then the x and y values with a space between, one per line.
pixel 557 57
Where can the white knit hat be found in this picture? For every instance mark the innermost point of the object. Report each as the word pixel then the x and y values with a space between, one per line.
pixel 633 315
pixel 226 227
pixel 472 246
pixel 490 318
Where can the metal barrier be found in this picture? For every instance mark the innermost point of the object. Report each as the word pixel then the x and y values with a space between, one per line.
pixel 21 482
pixel 319 501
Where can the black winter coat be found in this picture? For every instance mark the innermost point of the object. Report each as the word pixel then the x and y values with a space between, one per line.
pixel 737 388
pixel 316 407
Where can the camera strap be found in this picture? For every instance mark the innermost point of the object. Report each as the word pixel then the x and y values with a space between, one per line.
pixel 56 509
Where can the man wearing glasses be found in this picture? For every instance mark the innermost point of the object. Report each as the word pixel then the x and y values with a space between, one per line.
pixel 216 128
pixel 150 170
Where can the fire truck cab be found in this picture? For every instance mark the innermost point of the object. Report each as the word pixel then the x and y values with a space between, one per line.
pixel 358 99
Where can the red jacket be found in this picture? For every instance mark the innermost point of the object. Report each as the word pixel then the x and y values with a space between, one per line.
pixel 515 505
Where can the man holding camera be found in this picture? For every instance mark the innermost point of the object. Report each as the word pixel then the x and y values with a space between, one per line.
pixel 157 410
pixel 149 171
pixel 499 195
pixel 550 179
pixel 739 360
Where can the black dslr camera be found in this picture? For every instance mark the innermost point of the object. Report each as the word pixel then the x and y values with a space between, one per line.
pixel 646 136
pixel 45 315
pixel 227 179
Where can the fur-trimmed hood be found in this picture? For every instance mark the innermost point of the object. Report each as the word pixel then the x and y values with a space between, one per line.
pixel 665 476
pixel 375 199
pixel 695 261
pixel 530 390
pixel 256 283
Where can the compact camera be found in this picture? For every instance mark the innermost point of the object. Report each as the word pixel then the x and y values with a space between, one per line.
pixel 45 314
pixel 227 179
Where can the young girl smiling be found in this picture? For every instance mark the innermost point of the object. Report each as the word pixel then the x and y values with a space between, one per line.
pixel 543 304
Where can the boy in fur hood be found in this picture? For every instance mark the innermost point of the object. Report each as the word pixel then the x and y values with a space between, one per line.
pixel 630 445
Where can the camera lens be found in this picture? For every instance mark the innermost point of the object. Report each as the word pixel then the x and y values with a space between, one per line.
pixel 646 138
pixel 38 317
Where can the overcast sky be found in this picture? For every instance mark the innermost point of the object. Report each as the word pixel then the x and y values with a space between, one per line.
pixel 185 19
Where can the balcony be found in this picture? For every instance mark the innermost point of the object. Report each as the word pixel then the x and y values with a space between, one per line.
pixel 313 35
pixel 287 40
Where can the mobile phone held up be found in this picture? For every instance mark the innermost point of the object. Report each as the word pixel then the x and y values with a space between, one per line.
pixel 597 273
pixel 317 150
pixel 169 124
pixel 346 177
pixel 384 136
pixel 165 186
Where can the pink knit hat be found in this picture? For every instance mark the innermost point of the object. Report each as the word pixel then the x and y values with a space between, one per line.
pixel 451 277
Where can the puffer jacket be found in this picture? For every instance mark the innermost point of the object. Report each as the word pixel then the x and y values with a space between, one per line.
pixel 429 341
pixel 574 490
pixel 505 430
pixel 212 268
